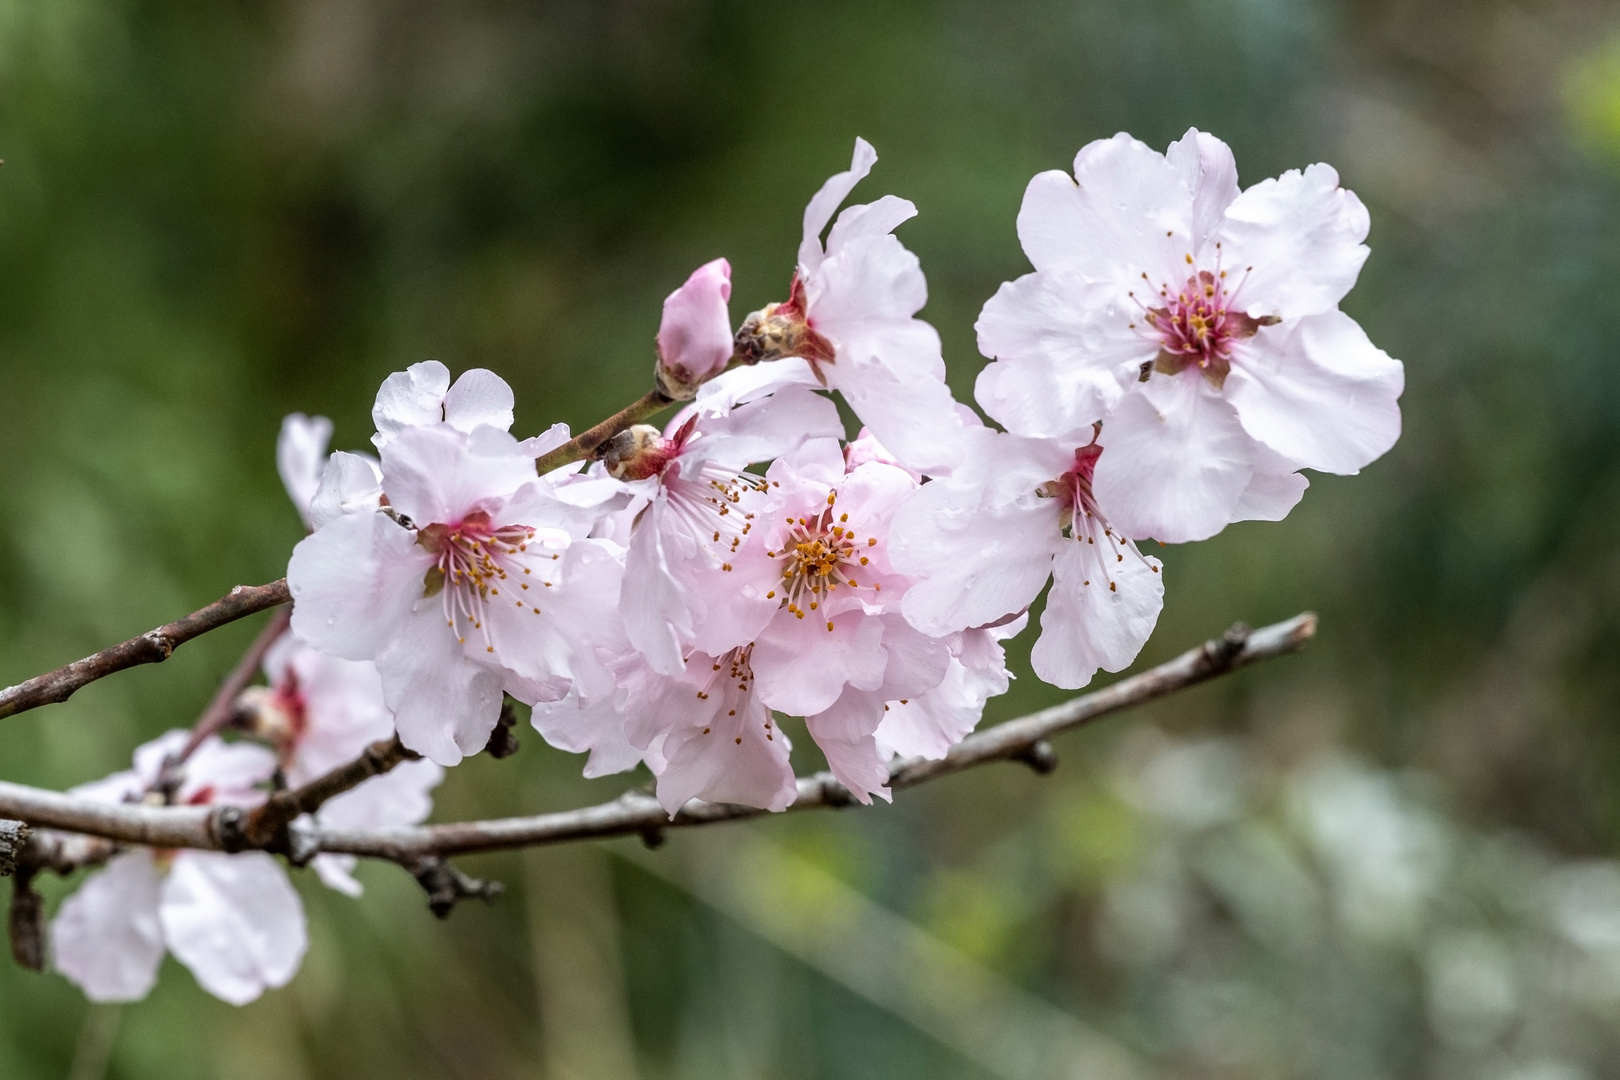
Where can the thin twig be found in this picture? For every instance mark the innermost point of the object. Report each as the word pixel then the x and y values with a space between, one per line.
pixel 219 711
pixel 637 812
pixel 152 647
pixel 587 442
pixel 281 809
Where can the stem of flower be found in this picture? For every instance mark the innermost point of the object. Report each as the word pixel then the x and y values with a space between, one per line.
pixel 588 442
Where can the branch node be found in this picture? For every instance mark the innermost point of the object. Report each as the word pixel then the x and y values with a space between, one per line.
pixel 1220 653
pixel 653 837
pixel 502 742
pixel 836 795
pixel 160 641
pixel 1039 756
pixel 303 844
pixel 13 835
pixel 446 886
pixel 230 829
pixel 27 923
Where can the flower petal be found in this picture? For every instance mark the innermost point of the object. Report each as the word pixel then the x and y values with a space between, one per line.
pixel 106 937
pixel 479 398
pixel 235 921
pixel 1298 238
pixel 410 397
pixel 301 457
pixel 352 582
pixel 801 667
pixel 1317 391
pixel 739 759
pixel 1175 461
pixel 1210 173
pixel 350 484
pixel 445 705
pixel 844 734
pixel 820 209
pixel 1088 625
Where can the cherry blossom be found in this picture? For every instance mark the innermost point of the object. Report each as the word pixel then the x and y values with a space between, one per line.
pixel 320 712
pixel 694 338
pixel 233 920
pixel 803 620
pixel 1200 323
pixel 301 458
pixel 474 579
pixel 695 497
pixel 851 311
pixel 929 724
pixel 1020 511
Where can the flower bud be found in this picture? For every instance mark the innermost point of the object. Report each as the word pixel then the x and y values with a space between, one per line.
pixel 636 453
pixel 777 331
pixel 694 338
pixel 269 715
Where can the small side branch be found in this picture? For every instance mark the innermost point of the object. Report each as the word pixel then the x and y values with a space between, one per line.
pixel 152 647
pixel 218 714
pixel 589 441
pixel 264 824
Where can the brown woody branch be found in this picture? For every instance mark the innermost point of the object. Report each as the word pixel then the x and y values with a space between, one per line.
pixel 589 441
pixel 636 812
pixel 222 707
pixel 152 647
pixel 263 825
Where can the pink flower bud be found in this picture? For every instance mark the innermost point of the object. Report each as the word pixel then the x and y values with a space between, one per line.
pixel 694 339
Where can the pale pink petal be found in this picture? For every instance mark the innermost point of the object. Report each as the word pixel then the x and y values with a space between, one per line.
pixel 439 474
pixel 235 921
pixel 844 734
pixel 150 757
pixel 743 384
pixel 1175 463
pixel 871 219
pixel 301 457
pixel 1065 352
pixel 547 441
pixel 479 397
pixel 1208 169
pixel 106 937
pixel 230 774
pixel 658 619
pixel 1298 239
pixel 444 704
pixel 763 429
pixel 801 667
pixel 578 726
pixel 824 202
pixel 863 299
pixel 410 397
pixel 1270 496
pixel 353 581
pixel 1130 213
pixel 918 421
pixel 865 447
pixel 929 724
pixel 694 337
pixel 343 706
pixel 1318 392
pixel 1087 625
pixel 735 759
pixel 401 796
pixel 350 484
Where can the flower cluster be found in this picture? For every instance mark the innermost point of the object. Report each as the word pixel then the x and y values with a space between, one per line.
pixel 1173 362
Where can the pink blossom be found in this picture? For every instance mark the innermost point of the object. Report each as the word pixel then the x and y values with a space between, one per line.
pixel 301 457
pixel 1017 512
pixel 698 502
pixel 929 724
pixel 694 338
pixel 233 920
pixel 1200 323
pixel 474 579
pixel 851 312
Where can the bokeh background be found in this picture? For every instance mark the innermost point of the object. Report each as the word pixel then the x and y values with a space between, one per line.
pixel 1391 857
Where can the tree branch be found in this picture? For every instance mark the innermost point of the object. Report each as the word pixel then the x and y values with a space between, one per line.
pixel 284 807
pixel 588 442
pixel 152 647
pixel 219 711
pixel 637 812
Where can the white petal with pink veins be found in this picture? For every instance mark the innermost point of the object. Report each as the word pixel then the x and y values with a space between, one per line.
pixel 106 938
pixel 1317 391
pixel 1065 352
pixel 1087 625
pixel 439 474
pixel 1176 463
pixel 1294 243
pixel 353 581
pixel 235 921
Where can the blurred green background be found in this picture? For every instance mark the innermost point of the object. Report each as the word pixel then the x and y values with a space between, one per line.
pixel 1388 858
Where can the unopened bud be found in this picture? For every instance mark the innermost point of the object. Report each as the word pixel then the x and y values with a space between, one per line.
pixel 694 338
pixel 778 331
pixel 636 453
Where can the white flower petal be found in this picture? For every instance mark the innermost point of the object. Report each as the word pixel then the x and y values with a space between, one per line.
pixel 844 734
pixel 445 705
pixel 301 457
pixel 235 921
pixel 479 397
pixel 739 759
pixel 439 474
pixel 801 667
pixel 350 484
pixel 1087 625
pixel 1317 391
pixel 337 873
pixel 820 209
pixel 1208 169
pixel 410 397
pixel 1175 461
pixel 106 937
pixel 352 582
pixel 1298 239
pixel 1065 351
